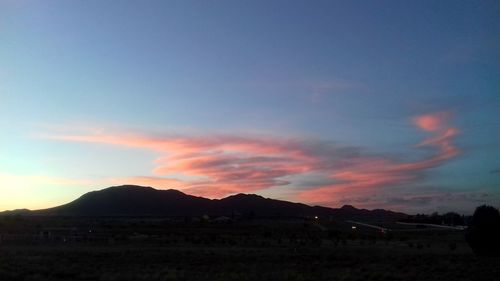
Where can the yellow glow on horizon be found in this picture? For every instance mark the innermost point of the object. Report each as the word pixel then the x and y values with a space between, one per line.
pixel 37 191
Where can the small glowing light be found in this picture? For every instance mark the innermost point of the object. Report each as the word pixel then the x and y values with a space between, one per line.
pixel 353 227
pixel 316 217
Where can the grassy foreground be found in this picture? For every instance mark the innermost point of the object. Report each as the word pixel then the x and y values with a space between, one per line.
pixel 250 252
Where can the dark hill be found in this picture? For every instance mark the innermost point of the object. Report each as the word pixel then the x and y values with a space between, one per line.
pixel 130 200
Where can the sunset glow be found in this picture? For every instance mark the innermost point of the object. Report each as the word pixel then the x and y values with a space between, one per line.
pixel 321 103
pixel 225 165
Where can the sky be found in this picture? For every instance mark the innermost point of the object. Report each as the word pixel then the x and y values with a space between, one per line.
pixel 376 104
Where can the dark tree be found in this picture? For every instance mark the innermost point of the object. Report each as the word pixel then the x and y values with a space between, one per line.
pixel 483 232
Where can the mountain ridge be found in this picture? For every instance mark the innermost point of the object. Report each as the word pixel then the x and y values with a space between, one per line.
pixel 133 200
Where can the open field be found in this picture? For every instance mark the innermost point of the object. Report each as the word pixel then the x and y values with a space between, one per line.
pixel 166 249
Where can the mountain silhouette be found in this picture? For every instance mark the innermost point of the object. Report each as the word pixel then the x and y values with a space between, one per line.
pixel 132 200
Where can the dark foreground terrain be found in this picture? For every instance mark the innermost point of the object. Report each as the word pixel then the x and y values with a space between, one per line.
pixel 52 248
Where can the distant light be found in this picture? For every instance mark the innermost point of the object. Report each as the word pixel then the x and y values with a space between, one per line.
pixel 316 217
pixel 353 227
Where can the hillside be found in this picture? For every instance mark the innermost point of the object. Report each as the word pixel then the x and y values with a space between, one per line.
pixel 131 200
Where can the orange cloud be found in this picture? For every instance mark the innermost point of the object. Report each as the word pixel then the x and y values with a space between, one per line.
pixel 216 166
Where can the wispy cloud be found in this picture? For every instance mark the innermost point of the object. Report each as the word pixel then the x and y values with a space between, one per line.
pixel 361 175
pixel 217 165
pixel 226 164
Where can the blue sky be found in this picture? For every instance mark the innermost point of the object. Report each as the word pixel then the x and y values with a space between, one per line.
pixel 336 88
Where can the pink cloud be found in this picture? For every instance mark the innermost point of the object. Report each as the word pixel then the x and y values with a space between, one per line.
pixel 218 165
pixel 432 122
pixel 227 164
pixel 149 181
pixel 365 175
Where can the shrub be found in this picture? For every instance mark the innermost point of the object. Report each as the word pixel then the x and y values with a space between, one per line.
pixel 483 232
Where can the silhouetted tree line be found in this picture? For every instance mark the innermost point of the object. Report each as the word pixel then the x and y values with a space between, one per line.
pixel 483 231
pixel 450 218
